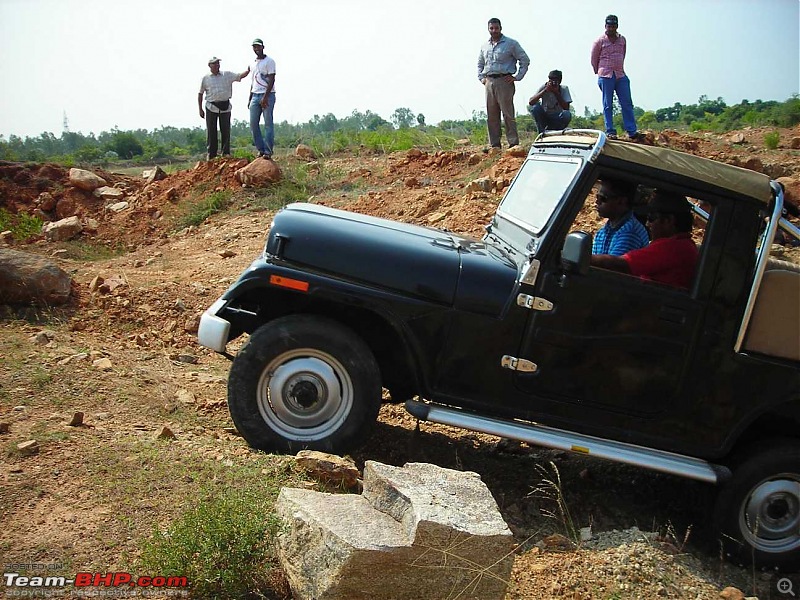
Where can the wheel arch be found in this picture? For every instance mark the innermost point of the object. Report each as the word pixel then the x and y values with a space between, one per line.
pixel 778 421
pixel 383 335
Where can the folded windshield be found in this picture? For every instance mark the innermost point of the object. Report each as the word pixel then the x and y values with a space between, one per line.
pixel 537 190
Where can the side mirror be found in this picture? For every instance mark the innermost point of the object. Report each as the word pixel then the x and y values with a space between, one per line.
pixel 577 253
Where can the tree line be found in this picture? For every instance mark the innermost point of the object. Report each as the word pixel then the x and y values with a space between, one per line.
pixel 328 133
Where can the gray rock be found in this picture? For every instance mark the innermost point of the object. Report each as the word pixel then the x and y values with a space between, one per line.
pixel 429 532
pixel 118 206
pixel 28 448
pixel 109 193
pixel 28 278
pixel 85 180
pixel 155 174
pixel 62 230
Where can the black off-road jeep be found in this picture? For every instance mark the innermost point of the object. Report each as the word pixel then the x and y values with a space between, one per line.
pixel 517 336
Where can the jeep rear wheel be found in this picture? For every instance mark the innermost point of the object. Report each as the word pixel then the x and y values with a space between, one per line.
pixel 304 382
pixel 758 511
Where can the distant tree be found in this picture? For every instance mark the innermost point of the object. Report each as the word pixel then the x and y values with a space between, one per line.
pixel 376 122
pixel 126 145
pixel 402 118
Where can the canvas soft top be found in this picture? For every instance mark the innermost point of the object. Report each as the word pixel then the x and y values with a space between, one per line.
pixel 735 179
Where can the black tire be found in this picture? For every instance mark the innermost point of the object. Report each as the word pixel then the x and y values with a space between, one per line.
pixel 757 513
pixel 304 382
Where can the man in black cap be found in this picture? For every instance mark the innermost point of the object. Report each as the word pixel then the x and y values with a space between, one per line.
pixel 218 89
pixel 262 101
pixel 608 58
pixel 672 256
pixel 549 106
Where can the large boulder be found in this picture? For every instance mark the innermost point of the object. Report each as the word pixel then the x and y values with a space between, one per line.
pixel 259 173
pixel 419 531
pixel 31 279
pixel 85 180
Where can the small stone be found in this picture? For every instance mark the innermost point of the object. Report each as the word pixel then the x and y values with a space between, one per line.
pixel 28 448
pixel 77 419
pixel 103 364
pixel 185 397
pixel 227 253
pixel 4 427
pixel 166 434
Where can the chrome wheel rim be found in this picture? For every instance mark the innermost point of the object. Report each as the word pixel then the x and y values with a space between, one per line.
pixel 770 515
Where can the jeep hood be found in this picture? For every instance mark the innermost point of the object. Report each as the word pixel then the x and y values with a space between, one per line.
pixel 423 262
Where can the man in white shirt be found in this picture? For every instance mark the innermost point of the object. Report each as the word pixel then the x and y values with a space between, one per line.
pixel 262 101
pixel 218 89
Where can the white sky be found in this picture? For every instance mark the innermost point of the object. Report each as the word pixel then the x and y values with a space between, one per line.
pixel 138 63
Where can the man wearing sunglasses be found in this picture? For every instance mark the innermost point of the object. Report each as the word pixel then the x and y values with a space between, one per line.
pixel 622 231
pixel 672 256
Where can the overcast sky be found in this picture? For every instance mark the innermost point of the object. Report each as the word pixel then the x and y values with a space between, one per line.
pixel 138 64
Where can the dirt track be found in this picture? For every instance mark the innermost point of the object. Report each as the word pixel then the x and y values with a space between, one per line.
pixel 159 375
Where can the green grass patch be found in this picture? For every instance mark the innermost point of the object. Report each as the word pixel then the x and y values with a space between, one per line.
pixel 300 181
pixel 88 252
pixel 21 225
pixel 209 205
pixel 223 545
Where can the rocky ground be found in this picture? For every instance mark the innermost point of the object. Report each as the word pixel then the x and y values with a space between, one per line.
pixel 123 353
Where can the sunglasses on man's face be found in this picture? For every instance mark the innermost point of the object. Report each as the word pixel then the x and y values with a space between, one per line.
pixel 604 197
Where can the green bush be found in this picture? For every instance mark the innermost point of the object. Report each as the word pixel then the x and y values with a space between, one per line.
pixel 22 226
pixel 223 546
pixel 771 139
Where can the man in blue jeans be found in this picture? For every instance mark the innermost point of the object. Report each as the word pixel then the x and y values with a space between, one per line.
pixel 262 101
pixel 549 106
pixel 608 57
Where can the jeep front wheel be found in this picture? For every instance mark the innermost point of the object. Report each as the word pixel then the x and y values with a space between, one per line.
pixel 758 510
pixel 304 382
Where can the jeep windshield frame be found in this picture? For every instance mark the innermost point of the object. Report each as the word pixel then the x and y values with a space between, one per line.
pixel 533 198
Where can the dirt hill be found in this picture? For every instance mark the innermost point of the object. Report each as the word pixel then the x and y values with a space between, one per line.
pixel 85 496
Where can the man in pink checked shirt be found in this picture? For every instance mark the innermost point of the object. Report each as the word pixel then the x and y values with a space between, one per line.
pixel 608 57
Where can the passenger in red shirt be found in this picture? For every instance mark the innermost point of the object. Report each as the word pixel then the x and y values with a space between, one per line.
pixel 672 256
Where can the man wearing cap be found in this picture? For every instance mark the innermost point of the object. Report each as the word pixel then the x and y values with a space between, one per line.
pixel 497 71
pixel 608 58
pixel 262 101
pixel 218 89
pixel 549 106
pixel 672 256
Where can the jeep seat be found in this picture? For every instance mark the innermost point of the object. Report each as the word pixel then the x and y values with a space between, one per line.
pixel 775 324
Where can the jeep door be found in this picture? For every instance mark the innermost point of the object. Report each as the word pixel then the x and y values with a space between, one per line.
pixel 611 342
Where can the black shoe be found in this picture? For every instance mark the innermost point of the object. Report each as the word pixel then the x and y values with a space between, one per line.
pixel 636 136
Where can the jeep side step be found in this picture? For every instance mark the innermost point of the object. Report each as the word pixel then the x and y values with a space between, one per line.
pixel 541 435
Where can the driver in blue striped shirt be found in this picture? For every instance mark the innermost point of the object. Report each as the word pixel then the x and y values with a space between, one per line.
pixel 622 231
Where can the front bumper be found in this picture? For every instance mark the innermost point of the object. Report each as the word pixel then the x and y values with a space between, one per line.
pixel 213 331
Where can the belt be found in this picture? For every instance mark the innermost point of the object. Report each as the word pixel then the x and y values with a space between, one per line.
pixel 496 75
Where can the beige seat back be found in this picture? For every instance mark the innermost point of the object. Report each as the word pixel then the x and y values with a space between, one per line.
pixel 775 324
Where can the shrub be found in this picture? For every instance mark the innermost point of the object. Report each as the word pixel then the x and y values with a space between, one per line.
pixel 22 226
pixel 771 139
pixel 223 546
